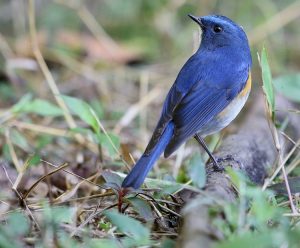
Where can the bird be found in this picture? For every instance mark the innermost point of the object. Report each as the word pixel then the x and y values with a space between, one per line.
pixel 208 93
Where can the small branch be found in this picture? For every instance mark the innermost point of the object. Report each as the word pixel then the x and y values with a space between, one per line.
pixel 22 200
pixel 12 152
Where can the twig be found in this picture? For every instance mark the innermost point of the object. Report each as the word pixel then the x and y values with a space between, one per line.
pixel 282 164
pixel 293 165
pixel 297 144
pixel 73 174
pixel 55 201
pixel 51 131
pixel 22 200
pixel 41 129
pixel 268 182
pixel 92 215
pixel 12 152
pixel 151 199
pixel 68 194
pixel 43 177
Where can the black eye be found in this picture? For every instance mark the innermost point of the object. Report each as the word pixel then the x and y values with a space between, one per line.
pixel 218 29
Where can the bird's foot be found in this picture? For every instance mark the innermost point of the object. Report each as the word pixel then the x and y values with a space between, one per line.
pixel 217 166
pixel 122 192
pixel 229 160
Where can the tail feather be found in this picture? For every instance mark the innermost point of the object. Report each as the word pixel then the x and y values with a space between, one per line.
pixel 137 175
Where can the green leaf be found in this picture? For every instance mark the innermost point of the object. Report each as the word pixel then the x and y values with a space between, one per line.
pixel 246 241
pixel 6 241
pixel 32 160
pixel 104 225
pixel 19 140
pixel 6 153
pixel 66 241
pixel 81 130
pixel 142 207
pixel 267 82
pixel 289 86
pixel 102 243
pixel 18 223
pixel 12 231
pixel 41 107
pixel 20 104
pixel 106 142
pixel 81 109
pixel 59 214
pixel 129 226
pixel 167 187
pixel 196 171
pixel 84 111
pixel 237 177
pixel 261 209
pixel 168 243
pixel 36 106
pixel 112 178
pixel 97 106
pixel 7 92
pixel 42 141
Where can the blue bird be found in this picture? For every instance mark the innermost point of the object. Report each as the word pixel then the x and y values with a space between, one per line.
pixel 209 92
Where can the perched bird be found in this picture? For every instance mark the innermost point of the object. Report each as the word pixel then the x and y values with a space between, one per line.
pixel 209 92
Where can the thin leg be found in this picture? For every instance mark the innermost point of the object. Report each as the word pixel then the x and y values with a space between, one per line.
pixel 217 167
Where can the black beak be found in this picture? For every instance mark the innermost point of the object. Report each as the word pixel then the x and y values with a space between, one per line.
pixel 197 20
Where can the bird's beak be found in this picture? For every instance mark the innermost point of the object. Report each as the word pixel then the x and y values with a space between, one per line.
pixel 197 20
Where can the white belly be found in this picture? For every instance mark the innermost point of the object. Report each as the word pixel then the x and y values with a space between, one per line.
pixel 225 117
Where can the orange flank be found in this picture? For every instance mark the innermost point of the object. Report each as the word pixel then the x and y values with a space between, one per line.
pixel 236 105
pixel 247 87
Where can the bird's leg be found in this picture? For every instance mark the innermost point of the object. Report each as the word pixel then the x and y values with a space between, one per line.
pixel 121 194
pixel 216 166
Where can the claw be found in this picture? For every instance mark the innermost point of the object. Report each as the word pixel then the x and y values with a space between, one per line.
pixel 217 167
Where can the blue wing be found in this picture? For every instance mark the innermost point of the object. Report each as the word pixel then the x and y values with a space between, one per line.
pixel 198 94
pixel 201 104
pixel 195 110
pixel 185 80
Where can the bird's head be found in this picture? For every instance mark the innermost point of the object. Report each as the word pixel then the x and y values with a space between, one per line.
pixel 220 31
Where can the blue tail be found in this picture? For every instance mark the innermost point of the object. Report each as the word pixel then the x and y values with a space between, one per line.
pixel 137 175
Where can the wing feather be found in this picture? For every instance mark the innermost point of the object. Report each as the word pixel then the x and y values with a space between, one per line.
pixel 191 115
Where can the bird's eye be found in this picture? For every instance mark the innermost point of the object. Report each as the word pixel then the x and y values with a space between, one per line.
pixel 218 29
